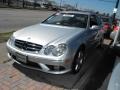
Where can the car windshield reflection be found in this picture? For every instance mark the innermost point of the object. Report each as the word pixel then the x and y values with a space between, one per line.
pixel 68 19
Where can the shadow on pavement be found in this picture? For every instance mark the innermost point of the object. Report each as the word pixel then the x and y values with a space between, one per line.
pixel 101 72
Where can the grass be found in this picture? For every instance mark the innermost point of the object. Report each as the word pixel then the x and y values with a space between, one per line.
pixel 5 36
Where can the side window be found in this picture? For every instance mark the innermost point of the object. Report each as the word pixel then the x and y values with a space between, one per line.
pixel 93 20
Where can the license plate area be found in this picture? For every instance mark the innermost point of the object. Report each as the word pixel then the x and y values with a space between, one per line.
pixel 21 57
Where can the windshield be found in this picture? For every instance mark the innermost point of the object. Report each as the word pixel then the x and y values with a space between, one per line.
pixel 68 19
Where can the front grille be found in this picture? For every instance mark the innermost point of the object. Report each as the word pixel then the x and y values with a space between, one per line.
pixel 27 46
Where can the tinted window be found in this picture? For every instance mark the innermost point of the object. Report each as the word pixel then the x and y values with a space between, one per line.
pixel 68 19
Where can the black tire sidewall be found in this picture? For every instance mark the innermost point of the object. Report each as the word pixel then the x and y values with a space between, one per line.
pixel 74 71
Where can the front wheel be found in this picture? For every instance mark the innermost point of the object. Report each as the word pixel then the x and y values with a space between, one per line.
pixel 78 61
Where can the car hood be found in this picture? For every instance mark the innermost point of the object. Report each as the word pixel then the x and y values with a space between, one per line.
pixel 44 34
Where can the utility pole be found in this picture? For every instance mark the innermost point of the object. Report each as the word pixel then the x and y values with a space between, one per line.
pixel 17 3
pixel 60 4
pixel 115 10
pixel 76 4
pixel 34 5
pixel 23 4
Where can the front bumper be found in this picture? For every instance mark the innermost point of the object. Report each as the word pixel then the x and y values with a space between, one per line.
pixel 39 62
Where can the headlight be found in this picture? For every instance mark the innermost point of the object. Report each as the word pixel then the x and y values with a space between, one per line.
pixel 55 51
pixel 11 40
pixel 49 49
pixel 59 50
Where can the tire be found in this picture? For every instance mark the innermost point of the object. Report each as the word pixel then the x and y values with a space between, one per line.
pixel 78 61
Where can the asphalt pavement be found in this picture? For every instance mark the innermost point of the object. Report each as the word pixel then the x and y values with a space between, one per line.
pixel 15 19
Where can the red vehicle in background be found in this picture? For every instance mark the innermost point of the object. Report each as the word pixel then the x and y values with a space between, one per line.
pixel 116 28
pixel 116 25
pixel 107 25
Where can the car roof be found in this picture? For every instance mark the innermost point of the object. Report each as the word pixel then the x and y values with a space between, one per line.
pixel 79 12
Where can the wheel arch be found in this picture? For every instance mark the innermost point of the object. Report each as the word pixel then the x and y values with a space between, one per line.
pixel 81 47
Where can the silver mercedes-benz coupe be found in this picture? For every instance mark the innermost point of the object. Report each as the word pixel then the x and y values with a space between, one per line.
pixel 58 44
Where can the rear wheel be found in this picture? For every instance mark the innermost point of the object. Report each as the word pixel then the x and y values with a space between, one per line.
pixel 78 61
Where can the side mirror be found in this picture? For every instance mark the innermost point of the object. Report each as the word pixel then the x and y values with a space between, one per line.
pixel 94 27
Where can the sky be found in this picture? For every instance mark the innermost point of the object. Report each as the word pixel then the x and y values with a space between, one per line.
pixel 118 14
pixel 97 5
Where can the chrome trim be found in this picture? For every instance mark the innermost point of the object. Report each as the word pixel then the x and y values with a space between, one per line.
pixel 27 46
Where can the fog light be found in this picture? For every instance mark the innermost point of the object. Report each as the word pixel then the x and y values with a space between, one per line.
pixel 57 68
